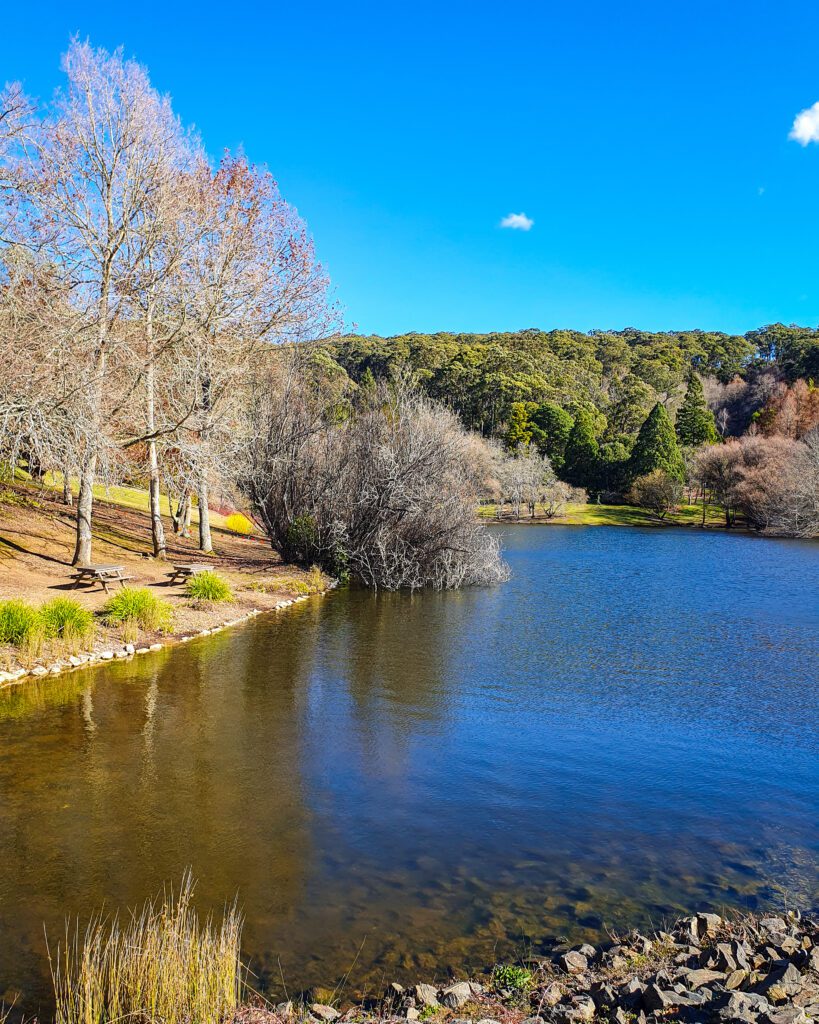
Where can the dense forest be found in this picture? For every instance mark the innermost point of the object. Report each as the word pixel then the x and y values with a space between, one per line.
pixel 582 399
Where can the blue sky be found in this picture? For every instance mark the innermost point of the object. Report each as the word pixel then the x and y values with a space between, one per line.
pixel 647 141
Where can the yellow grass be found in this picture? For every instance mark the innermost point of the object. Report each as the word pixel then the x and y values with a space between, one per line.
pixel 163 966
pixel 622 515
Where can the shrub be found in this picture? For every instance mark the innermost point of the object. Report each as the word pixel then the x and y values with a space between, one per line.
pixel 19 623
pixel 162 965
pixel 137 607
pixel 658 492
pixel 237 523
pixel 511 976
pixel 208 586
pixel 67 620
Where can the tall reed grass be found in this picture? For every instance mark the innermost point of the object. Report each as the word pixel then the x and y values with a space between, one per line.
pixel 164 966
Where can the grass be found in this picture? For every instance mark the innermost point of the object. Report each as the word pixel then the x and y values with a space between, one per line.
pixel 315 582
pixel 164 966
pixel 208 586
pixel 623 515
pixel 66 620
pixel 135 608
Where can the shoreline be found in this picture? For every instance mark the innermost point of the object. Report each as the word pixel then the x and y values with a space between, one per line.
pixel 127 652
pixel 753 968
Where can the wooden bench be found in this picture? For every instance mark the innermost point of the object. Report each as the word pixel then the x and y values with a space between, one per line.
pixel 103 574
pixel 185 572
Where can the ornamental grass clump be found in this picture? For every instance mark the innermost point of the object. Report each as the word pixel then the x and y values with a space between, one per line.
pixel 66 620
pixel 163 966
pixel 137 608
pixel 21 627
pixel 208 587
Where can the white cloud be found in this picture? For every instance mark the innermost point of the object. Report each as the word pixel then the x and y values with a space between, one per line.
pixel 520 222
pixel 806 126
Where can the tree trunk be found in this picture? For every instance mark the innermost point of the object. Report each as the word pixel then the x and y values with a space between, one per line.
pixel 187 508
pixel 85 504
pixel 157 529
pixel 205 543
pixel 68 497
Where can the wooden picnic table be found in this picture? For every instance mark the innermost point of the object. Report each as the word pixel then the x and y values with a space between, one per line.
pixel 186 571
pixel 103 574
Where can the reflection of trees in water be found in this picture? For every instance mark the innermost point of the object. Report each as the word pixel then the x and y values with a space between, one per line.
pixel 138 772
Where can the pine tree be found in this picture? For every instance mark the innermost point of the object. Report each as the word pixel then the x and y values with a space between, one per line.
pixel 580 466
pixel 695 421
pixel 656 447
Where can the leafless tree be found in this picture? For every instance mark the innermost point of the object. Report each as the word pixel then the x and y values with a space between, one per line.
pixel 383 489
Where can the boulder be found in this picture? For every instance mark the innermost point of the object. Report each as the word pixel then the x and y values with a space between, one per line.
pixel 426 995
pixel 655 998
pixel 323 1012
pixel 573 962
pixel 695 979
pixel 456 995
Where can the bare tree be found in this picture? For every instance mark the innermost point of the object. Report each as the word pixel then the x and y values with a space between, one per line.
pixel 385 493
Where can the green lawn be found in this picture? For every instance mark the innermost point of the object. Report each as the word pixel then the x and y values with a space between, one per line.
pixel 623 515
pixel 128 497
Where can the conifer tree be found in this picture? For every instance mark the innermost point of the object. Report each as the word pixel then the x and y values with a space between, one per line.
pixel 695 421
pixel 580 466
pixel 656 447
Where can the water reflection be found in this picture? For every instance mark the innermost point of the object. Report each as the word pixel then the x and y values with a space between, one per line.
pixel 626 730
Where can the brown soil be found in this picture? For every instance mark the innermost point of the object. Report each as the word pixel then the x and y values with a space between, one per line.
pixel 37 542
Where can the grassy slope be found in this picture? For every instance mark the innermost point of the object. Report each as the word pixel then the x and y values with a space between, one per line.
pixel 623 515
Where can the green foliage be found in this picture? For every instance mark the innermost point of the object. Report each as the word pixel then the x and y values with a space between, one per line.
pixel 656 447
pixel 301 539
pixel 580 467
pixel 67 620
pixel 20 624
pixel 695 421
pixel 551 426
pixel 519 431
pixel 237 523
pixel 511 976
pixel 138 607
pixel 208 586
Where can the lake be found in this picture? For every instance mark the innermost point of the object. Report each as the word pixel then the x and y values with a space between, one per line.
pixel 397 786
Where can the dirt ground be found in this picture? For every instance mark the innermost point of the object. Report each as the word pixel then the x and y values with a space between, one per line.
pixel 37 542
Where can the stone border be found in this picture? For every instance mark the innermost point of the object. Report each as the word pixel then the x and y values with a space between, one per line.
pixel 92 658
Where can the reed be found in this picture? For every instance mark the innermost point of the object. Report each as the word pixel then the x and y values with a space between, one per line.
pixel 164 966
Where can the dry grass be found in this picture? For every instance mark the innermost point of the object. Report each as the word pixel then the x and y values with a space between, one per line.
pixel 164 966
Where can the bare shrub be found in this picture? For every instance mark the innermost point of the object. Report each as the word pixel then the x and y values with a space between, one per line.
pixel 657 492
pixel 382 488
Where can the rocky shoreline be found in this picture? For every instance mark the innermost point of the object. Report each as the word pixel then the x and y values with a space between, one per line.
pixel 753 969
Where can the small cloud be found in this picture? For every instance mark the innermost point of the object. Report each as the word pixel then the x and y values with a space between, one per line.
pixel 520 222
pixel 761 190
pixel 806 126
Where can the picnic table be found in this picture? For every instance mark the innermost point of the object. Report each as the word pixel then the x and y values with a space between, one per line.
pixel 103 574
pixel 186 571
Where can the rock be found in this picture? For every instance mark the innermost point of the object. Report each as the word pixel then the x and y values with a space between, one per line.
pixel 604 995
pixel 708 924
pixel 573 962
pixel 39 670
pixel 745 1003
pixel 773 925
pixel 456 995
pixel 725 961
pixel 142 650
pixel 412 1013
pixel 121 654
pixel 695 979
pixel 588 951
pixel 693 998
pixel 323 1012
pixel 426 995
pixel 787 1015
pixel 631 994
pixel 155 647
pixel 552 994
pixel 74 661
pixel 284 1009
pixel 780 984
pixel 106 655
pixel 394 992
pixel 129 648
pixel 583 1008
pixel 735 979
pixel 654 998
pixel 620 1017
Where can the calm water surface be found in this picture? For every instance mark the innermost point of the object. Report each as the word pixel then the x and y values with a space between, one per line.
pixel 628 729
